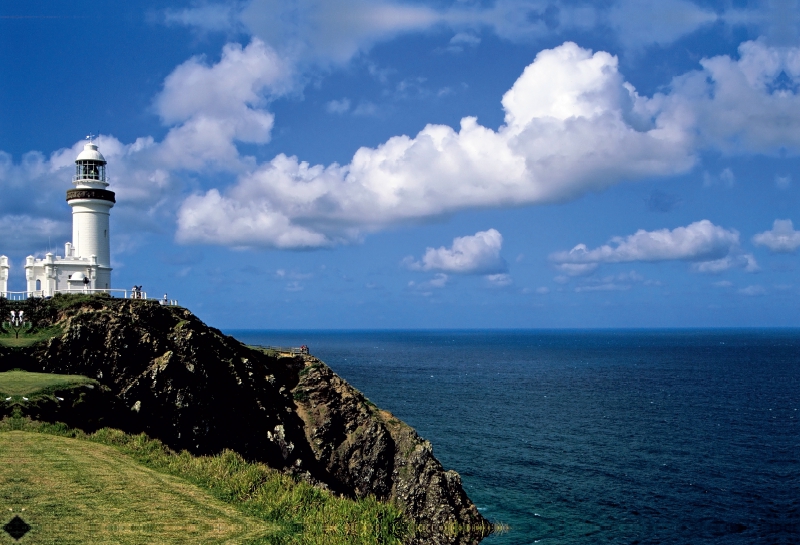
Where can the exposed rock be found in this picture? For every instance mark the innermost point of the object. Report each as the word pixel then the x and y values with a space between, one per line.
pixel 197 389
pixel 372 452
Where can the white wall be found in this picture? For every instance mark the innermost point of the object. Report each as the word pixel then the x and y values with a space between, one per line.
pixel 90 232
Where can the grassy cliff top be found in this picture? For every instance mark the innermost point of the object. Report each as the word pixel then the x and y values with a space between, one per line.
pixel 19 383
pixel 113 487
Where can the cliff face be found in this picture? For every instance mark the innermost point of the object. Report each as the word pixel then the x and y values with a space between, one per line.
pixel 171 376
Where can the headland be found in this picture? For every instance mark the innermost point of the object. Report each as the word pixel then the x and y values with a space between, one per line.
pixel 158 370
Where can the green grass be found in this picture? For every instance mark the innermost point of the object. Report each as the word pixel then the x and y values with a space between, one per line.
pixel 23 383
pixel 298 512
pixel 74 491
pixel 27 337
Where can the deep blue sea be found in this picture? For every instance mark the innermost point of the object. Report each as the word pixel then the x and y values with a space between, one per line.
pixel 598 436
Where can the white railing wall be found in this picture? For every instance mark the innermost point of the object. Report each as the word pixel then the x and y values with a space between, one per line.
pixel 114 292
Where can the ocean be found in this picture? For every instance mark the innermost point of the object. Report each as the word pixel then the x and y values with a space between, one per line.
pixel 596 436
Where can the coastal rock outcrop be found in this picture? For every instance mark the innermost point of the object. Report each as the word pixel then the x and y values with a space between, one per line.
pixel 194 388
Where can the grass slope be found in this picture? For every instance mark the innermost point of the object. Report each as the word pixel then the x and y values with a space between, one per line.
pixel 23 383
pixel 73 491
pixel 111 487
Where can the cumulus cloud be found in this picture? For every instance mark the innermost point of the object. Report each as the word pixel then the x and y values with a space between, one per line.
pixel 709 247
pixel 475 254
pixel 736 105
pixel 572 124
pixel 212 106
pixel 781 239
pixel 209 107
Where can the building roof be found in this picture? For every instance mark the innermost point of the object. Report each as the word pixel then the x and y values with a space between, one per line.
pixel 90 153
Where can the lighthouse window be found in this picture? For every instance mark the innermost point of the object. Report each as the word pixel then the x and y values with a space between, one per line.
pixel 38 285
pixel 105 233
pixel 89 170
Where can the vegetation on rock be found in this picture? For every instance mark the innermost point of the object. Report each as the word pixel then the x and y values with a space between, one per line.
pixel 162 372
pixel 113 487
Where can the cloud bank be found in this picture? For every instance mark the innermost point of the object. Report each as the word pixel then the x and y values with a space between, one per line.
pixel 572 125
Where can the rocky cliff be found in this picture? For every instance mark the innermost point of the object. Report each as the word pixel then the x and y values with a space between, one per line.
pixel 165 373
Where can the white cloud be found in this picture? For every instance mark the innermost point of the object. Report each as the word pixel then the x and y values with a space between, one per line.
pixel 211 17
pixel 608 286
pixel 332 30
pixel 338 106
pixel 462 39
pixel 619 282
pixel 439 280
pixel 465 38
pixel 711 248
pixel 365 109
pixel 753 291
pixel 716 266
pixel 725 178
pixel 501 280
pixel 210 107
pixel 577 269
pixel 572 125
pixel 732 103
pixel 781 239
pixel 783 182
pixel 475 254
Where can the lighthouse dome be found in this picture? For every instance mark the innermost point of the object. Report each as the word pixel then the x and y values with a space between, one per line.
pixel 90 153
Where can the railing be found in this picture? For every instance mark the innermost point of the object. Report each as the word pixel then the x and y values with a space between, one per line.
pixel 121 293
pixel 285 349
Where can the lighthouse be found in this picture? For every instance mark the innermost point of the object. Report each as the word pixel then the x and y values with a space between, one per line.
pixel 86 263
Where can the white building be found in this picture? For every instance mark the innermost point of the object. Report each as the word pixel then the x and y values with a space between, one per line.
pixel 3 275
pixel 86 263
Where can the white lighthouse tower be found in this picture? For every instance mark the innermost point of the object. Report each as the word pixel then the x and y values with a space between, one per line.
pixel 86 263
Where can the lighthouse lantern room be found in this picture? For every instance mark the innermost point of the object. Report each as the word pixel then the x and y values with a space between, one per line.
pixel 86 263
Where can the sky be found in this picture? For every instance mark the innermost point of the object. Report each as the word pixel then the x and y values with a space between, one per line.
pixel 372 164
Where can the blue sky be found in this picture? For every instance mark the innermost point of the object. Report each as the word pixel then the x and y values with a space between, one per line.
pixel 411 164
